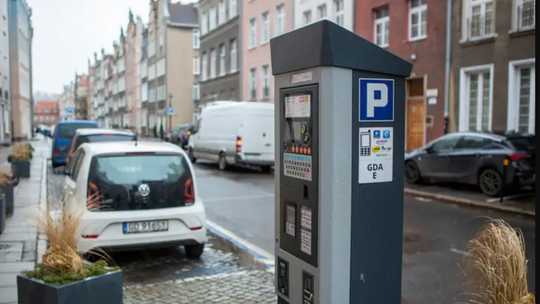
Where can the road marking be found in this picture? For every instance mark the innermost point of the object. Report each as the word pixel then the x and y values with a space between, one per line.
pixel 258 253
pixel 496 199
pixel 461 252
pixel 232 198
pixel 265 193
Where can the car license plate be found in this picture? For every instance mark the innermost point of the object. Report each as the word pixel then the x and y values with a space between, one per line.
pixel 146 226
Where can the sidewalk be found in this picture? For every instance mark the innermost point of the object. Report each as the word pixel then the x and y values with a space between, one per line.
pixel 19 241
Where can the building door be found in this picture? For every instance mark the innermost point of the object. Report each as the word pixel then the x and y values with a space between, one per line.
pixel 416 114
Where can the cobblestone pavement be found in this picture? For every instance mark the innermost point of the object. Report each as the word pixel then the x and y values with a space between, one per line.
pixel 246 287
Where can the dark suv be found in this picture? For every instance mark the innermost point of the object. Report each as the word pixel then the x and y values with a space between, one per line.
pixel 475 158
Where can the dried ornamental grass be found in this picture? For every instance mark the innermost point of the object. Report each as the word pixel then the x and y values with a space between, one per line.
pixel 497 266
pixel 22 151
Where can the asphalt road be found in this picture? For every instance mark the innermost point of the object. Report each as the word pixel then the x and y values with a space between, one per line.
pixel 436 234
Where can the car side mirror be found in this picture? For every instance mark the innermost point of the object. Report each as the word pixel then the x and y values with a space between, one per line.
pixel 430 150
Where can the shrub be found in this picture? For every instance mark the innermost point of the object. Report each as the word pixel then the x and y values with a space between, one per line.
pixel 22 151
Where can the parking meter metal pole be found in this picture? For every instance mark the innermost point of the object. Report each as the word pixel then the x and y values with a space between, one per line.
pixel 340 104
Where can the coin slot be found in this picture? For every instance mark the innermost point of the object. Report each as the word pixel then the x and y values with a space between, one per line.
pixel 306 196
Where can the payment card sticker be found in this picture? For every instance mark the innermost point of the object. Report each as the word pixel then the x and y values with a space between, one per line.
pixel 298 106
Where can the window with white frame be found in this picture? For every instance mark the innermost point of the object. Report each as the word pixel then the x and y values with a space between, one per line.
pixel 481 19
pixel 232 9
pixel 253 84
pixel 265 28
pixel 204 66
pixel 213 61
pixel 196 39
pixel 476 94
pixel 222 60
pixel 196 91
pixel 382 26
pixel 526 14
pixel 213 17
pixel 321 11
pixel 196 66
pixel 221 15
pixel 280 20
pixel 265 81
pixel 234 58
pixel 204 23
pixel 252 42
pixel 339 12
pixel 417 19
pixel 522 96
pixel 307 17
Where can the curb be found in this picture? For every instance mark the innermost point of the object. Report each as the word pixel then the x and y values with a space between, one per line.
pixel 259 256
pixel 468 202
pixel 41 246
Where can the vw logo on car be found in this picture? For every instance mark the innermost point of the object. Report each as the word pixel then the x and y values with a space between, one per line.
pixel 144 190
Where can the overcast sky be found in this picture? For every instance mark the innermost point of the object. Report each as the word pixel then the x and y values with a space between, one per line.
pixel 68 32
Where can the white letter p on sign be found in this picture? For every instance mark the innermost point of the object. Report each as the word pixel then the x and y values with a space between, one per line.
pixel 374 101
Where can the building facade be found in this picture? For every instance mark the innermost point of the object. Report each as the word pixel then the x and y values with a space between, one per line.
pixel 66 103
pixel 145 130
pixel 132 46
pixel 220 51
pixel 5 79
pixel 416 31
pixel 338 11
pixel 262 21
pixel 46 112
pixel 81 94
pixel 120 115
pixel 493 65
pixel 20 46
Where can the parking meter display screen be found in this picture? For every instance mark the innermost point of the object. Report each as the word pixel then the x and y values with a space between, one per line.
pixel 294 131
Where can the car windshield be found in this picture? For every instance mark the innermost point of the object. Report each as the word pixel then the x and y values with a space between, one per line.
pixel 525 143
pixel 103 138
pixel 117 181
pixel 68 130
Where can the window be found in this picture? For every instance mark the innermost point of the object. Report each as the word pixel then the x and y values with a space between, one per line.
pixel 234 57
pixel 477 142
pixel 265 28
pixel 446 143
pixel 221 18
pixel 265 82
pixel 204 23
pixel 476 98
pixel 196 39
pixel 280 20
pixel 196 66
pixel 321 11
pixel 307 17
pixel 521 96
pixel 339 12
pixel 222 60
pixel 252 42
pixel 481 19
pixel 204 66
pixel 526 14
pixel 196 91
pixel 213 17
pixel 417 19
pixel 382 27
pixel 232 9
pixel 213 65
pixel 253 84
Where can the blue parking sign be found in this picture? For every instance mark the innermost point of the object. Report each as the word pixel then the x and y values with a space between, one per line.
pixel 376 99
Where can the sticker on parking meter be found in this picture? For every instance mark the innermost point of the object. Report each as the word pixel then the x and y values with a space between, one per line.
pixel 298 106
pixel 305 237
pixel 375 156
pixel 305 217
pixel 290 223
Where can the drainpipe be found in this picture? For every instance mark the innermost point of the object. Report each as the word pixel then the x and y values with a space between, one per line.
pixel 448 61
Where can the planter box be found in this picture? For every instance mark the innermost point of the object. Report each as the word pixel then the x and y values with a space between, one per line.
pixel 7 190
pixel 104 289
pixel 21 168
pixel 2 213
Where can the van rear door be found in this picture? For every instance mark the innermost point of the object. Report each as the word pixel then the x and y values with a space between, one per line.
pixel 258 137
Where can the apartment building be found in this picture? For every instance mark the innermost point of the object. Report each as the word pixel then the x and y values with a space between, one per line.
pixel 80 90
pixel 172 53
pixel 338 11
pixel 493 65
pixel 108 84
pixel 133 48
pixel 262 21
pixel 119 106
pixel 5 84
pixel 220 51
pixel 46 112
pixel 66 102
pixel 416 31
pixel 90 91
pixel 20 34
pixel 98 91
pixel 145 130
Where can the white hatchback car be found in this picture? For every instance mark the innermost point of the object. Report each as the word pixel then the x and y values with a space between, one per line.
pixel 135 195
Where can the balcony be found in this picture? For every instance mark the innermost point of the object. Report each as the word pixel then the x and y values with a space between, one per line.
pixel 527 16
pixel 481 26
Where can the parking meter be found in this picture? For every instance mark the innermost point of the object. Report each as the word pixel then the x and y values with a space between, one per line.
pixel 340 104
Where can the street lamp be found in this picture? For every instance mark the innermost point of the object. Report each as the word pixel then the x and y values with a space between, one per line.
pixel 168 113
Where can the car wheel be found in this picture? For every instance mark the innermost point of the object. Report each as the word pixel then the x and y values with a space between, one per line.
pixel 490 182
pixel 266 169
pixel 194 251
pixel 222 162
pixel 412 173
pixel 191 156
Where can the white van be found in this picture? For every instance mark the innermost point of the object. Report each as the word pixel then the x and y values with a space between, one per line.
pixel 235 133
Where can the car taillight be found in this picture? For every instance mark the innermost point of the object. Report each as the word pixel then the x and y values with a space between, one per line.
pixel 238 144
pixel 189 192
pixel 517 157
pixel 56 151
pixel 185 135
pixel 92 197
pixel 90 236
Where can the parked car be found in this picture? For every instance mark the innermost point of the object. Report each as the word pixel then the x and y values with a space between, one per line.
pixel 63 136
pixel 172 136
pixel 183 135
pixel 134 196
pixel 235 133
pixel 97 135
pixel 475 158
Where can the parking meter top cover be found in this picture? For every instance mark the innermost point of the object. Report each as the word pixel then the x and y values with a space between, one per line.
pixel 325 43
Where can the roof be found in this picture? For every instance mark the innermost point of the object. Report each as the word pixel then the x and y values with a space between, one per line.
pixel 325 43
pixel 41 105
pixel 131 147
pixel 94 131
pixel 183 14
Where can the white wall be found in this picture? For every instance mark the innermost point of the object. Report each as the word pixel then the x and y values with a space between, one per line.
pixel 300 6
